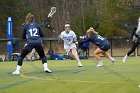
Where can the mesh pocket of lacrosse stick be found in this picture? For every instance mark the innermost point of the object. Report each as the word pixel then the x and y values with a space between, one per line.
pixel 53 10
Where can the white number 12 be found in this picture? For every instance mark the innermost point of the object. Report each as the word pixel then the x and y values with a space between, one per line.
pixel 33 32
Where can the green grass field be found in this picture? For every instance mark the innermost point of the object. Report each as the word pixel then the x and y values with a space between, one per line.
pixel 68 78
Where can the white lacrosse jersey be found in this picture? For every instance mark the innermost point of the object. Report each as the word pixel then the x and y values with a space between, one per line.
pixel 68 37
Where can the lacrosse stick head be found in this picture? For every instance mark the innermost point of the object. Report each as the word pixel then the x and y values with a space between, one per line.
pixel 53 10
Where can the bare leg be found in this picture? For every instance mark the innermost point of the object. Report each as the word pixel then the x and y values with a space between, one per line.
pixel 108 56
pixel 97 53
pixel 73 53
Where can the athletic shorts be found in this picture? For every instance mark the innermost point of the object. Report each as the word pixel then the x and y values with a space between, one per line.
pixel 69 47
pixel 105 46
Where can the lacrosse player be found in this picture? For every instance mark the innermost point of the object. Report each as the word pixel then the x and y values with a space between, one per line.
pixel 102 43
pixel 23 24
pixel 46 23
pixel 135 36
pixel 69 37
pixel 32 32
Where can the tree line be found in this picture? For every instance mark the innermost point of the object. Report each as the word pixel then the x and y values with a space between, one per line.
pixel 81 14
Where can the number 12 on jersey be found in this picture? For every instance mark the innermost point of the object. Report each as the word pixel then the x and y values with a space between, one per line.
pixel 33 32
pixel 101 38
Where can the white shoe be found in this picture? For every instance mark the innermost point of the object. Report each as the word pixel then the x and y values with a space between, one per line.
pixel 48 70
pixel 124 60
pixel 112 61
pixel 16 72
pixel 100 65
pixel 80 65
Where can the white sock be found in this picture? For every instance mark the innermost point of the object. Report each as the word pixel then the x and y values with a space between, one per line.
pixel 45 66
pixel 111 58
pixel 18 68
pixel 79 62
pixel 100 62
pixel 125 56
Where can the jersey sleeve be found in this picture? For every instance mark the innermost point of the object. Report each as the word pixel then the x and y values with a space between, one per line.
pixel 74 36
pixel 84 40
pixel 61 36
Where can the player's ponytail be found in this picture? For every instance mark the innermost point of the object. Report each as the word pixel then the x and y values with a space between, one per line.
pixel 26 19
pixel 31 18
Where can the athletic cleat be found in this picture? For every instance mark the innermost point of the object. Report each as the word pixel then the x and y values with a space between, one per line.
pixel 113 61
pixel 100 65
pixel 124 60
pixel 48 71
pixel 16 73
pixel 80 65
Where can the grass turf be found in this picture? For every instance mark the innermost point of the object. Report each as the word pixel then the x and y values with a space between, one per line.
pixel 67 77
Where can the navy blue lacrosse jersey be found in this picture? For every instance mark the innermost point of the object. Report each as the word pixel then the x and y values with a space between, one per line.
pixel 32 32
pixel 98 41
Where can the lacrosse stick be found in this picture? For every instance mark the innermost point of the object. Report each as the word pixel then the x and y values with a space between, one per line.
pixel 53 10
pixel 47 22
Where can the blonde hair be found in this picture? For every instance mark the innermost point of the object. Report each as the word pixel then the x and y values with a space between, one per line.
pixel 91 31
pixel 31 18
pixel 27 19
